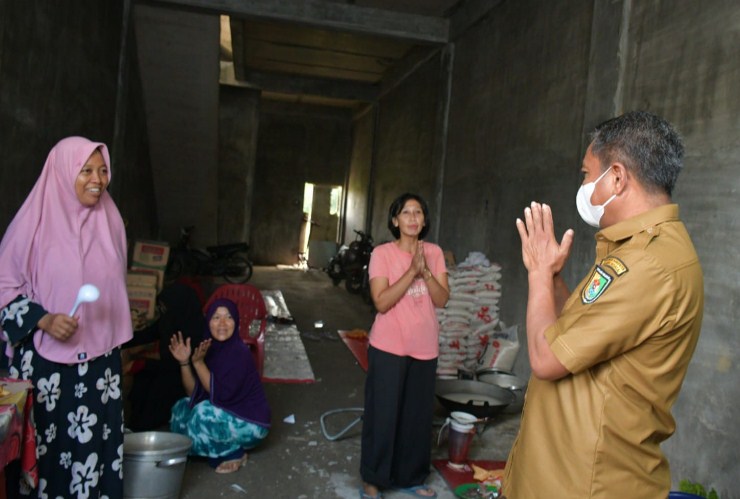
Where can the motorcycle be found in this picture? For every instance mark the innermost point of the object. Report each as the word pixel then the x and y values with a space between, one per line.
pixel 225 260
pixel 350 263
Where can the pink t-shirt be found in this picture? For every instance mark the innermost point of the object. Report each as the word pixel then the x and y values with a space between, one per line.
pixel 410 328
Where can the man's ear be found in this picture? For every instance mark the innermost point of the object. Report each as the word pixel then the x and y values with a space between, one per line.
pixel 622 177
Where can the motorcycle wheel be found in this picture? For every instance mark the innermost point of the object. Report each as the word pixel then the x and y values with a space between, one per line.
pixel 238 270
pixel 353 283
pixel 335 272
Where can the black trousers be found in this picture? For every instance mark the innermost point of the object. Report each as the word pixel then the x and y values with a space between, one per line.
pixel 397 422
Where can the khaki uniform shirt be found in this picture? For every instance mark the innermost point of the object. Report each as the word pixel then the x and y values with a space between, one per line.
pixel 626 334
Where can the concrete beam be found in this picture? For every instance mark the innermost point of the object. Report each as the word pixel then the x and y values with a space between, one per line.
pixel 332 16
pixel 306 85
pixel 305 110
pixel 238 75
pixel 415 58
pixel 468 14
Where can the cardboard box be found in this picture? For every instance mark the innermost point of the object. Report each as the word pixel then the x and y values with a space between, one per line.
pixel 151 254
pixel 157 274
pixel 146 278
pixel 142 300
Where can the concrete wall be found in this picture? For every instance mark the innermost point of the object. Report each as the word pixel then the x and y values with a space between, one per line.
pixel 515 134
pixel 69 69
pixel 682 63
pixel 404 145
pixel 296 144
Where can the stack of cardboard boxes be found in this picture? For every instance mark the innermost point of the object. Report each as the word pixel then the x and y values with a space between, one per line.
pixel 146 278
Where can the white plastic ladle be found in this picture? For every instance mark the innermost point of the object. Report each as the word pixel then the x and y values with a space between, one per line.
pixel 87 293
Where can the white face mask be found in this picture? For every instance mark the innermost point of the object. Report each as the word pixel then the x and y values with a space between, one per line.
pixel 589 213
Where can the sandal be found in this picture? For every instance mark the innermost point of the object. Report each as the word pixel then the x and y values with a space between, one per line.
pixel 232 465
pixel 415 491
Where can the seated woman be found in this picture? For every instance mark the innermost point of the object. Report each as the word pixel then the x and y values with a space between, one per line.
pixel 227 412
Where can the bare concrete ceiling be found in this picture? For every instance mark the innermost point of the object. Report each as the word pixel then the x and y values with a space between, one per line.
pixel 343 53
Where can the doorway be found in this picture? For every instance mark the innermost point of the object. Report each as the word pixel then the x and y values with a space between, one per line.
pixel 320 228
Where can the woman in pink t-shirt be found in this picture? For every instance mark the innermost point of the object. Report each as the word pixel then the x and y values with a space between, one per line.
pixel 408 279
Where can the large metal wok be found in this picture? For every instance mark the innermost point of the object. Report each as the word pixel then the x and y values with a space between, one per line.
pixel 507 380
pixel 480 399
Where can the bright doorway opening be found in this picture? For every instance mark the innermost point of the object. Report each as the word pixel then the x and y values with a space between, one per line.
pixel 322 211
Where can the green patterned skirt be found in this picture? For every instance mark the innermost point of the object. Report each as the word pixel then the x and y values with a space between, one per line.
pixel 214 432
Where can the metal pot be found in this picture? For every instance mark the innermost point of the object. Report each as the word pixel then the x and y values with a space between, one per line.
pixel 154 464
pixel 508 381
pixel 474 397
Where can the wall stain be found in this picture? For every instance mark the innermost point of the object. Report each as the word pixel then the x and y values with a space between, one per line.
pixel 724 363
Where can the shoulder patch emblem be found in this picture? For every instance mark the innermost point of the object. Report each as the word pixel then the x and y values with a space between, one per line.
pixel 615 264
pixel 596 285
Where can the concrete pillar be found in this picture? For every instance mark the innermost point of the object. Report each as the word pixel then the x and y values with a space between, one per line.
pixel 238 128
pixel 604 98
pixel 179 61
pixel 607 56
pixel 439 155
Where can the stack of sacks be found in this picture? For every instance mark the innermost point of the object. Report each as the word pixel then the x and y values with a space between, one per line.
pixel 454 329
pixel 487 295
pixel 471 314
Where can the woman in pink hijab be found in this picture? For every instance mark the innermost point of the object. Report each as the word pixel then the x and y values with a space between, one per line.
pixel 67 233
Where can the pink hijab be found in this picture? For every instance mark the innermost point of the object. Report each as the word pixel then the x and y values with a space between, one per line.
pixel 55 244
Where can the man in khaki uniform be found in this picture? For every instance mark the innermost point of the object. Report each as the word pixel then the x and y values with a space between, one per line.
pixel 608 361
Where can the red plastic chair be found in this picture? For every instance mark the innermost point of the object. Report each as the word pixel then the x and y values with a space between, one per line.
pixel 251 307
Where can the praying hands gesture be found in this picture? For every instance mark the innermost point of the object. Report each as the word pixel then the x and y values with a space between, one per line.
pixel 540 249
pixel 418 262
pixel 544 258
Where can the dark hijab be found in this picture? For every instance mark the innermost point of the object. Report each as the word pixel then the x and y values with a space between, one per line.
pixel 235 382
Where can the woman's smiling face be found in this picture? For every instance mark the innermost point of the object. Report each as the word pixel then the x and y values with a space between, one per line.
pixel 410 220
pixel 92 180
pixel 222 324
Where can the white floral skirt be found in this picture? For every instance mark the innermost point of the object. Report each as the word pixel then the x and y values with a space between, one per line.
pixel 78 415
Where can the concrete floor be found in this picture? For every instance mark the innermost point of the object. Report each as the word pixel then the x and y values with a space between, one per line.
pixel 296 460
